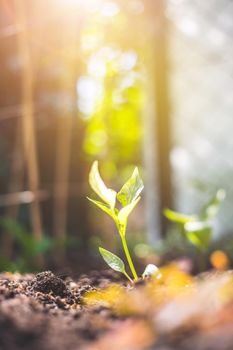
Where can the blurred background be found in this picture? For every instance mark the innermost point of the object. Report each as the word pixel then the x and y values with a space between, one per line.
pixel 136 82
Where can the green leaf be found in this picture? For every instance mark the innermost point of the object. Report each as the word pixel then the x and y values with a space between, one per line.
pixel 131 189
pixel 210 210
pixel 102 206
pixel 124 212
pixel 106 194
pixel 178 218
pixel 199 234
pixel 112 260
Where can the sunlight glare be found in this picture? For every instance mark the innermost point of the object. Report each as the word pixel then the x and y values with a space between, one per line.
pixel 96 66
pixel 128 60
pixel 89 93
pixel 88 5
pixel 110 9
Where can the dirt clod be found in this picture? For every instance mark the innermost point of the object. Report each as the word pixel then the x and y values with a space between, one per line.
pixel 46 282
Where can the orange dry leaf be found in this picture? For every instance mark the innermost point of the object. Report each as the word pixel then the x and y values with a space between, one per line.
pixel 219 260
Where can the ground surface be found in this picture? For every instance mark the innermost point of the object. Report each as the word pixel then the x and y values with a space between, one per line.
pixel 48 312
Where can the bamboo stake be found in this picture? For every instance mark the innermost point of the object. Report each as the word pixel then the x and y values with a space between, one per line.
pixel 28 122
pixel 16 184
pixel 23 197
pixel 63 139
pixel 61 180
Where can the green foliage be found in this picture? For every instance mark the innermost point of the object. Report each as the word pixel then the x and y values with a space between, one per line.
pixel 120 104
pixel 128 197
pixel 113 121
pixel 198 229
pixel 28 248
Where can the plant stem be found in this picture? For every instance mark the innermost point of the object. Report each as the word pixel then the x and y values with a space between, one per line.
pixel 131 265
pixel 129 278
pixel 201 261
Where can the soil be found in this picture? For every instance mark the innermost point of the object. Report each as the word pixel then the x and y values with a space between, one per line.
pixel 47 312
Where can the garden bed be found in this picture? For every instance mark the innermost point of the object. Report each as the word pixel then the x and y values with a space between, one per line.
pixel 102 311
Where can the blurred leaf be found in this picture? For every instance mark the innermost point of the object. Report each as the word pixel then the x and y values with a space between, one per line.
pixel 44 245
pixel 199 234
pixel 210 210
pixel 23 238
pixel 65 242
pixel 28 246
pixel 178 218
pixel 106 194
pixel 112 260
pixel 131 189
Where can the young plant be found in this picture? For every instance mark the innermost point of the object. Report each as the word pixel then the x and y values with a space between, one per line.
pixel 128 197
pixel 198 229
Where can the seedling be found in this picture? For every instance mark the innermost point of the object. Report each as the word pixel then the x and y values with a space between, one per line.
pixel 128 197
pixel 198 229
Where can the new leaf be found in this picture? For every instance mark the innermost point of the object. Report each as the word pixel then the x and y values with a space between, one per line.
pixel 124 212
pixel 131 189
pixel 106 194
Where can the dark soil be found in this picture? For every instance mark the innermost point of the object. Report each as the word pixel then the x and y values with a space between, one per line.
pixel 46 312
